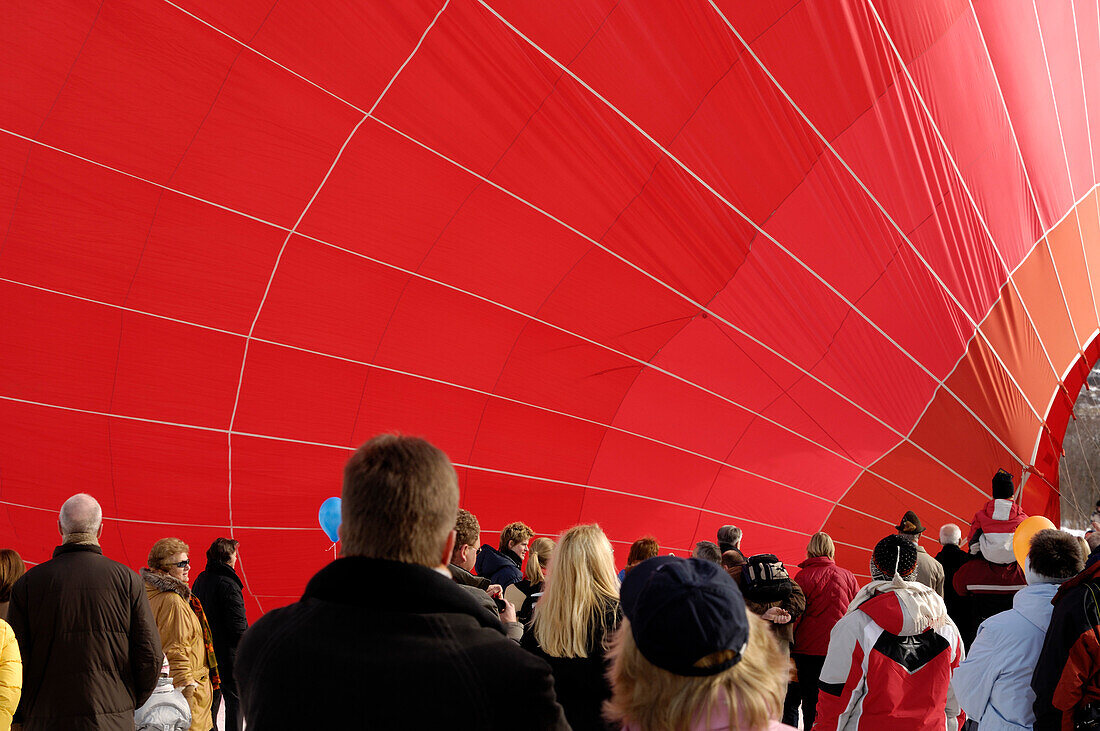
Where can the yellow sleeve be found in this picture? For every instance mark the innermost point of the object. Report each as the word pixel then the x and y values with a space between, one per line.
pixel 170 613
pixel 11 675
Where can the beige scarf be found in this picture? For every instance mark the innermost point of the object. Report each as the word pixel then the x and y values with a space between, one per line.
pixel 923 607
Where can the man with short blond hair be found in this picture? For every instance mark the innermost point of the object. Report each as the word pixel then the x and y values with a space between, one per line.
pixel 388 619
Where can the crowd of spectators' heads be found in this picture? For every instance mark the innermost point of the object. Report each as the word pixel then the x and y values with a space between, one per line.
pixel 420 625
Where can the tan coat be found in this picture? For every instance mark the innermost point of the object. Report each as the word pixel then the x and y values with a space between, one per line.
pixel 181 638
pixel 929 571
pixel 11 675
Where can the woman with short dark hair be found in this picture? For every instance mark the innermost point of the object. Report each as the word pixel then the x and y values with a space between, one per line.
pixel 220 590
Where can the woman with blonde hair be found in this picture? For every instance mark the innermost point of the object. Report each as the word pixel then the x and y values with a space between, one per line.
pixel 184 631
pixel 829 589
pixel 578 609
pixel 534 576
pixel 689 657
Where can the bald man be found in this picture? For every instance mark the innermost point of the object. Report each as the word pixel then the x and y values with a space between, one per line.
pixel 91 650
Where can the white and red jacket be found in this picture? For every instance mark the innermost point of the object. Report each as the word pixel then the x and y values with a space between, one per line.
pixel 890 662
pixel 992 529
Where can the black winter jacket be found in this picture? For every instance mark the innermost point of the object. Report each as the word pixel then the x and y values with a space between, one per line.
pixel 499 567
pixel 581 682
pixel 387 645
pixel 1067 673
pixel 91 650
pixel 219 589
pixel 951 557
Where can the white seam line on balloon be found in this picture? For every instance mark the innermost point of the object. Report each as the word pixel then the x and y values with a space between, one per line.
pixel 1092 151
pixel 282 250
pixel 901 233
pixel 165 522
pixel 927 265
pixel 702 308
pixel 419 376
pixel 1069 180
pixel 989 234
pixel 617 256
pixel 601 246
pixel 626 261
pixel 765 234
pixel 524 314
pixel 476 468
pixel 962 358
pixel 1035 204
pixel 1054 396
pixel 454 288
pixel 1023 163
pixel 270 59
pixel 978 213
pixel 485 299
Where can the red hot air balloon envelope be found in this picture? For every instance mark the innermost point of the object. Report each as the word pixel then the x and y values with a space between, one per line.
pixel 661 265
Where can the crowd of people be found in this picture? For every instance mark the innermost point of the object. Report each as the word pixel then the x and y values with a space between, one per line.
pixel 418 624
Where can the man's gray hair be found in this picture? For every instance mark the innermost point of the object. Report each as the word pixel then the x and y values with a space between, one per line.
pixel 950 534
pixel 80 514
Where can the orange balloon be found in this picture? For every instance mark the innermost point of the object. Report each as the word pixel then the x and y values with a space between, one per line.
pixel 1021 539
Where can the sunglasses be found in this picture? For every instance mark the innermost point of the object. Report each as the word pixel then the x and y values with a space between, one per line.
pixel 182 564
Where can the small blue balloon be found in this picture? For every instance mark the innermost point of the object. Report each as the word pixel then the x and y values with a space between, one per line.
pixel 329 518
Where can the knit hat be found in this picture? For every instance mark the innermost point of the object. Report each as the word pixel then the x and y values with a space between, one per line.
pixel 893 554
pixel 1002 485
pixel 910 524
pixel 681 611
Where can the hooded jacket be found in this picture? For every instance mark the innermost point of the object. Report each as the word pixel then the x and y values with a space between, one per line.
pixel 90 648
pixel 829 589
pixel 1067 674
pixel 992 528
pixel 993 684
pixel 500 567
pixel 389 645
pixel 890 661
pixel 181 637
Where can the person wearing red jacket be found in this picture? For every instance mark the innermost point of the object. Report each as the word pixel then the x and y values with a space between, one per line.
pixel 829 589
pixel 993 526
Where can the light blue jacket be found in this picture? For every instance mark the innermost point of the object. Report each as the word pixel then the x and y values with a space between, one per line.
pixel 993 684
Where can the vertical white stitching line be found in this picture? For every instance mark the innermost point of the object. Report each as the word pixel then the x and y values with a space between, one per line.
pixel 481 392
pixel 345 448
pixel 279 258
pixel 888 217
pixel 710 313
pixel 1069 176
pixel 813 377
pixel 454 288
pixel 764 233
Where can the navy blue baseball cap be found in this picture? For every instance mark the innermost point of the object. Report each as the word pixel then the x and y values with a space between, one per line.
pixel 682 610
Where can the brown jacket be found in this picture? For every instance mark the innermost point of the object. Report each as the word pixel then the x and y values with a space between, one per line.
pixel 91 653
pixel 929 571
pixel 181 637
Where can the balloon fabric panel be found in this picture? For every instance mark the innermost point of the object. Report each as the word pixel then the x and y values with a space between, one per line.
pixel 790 265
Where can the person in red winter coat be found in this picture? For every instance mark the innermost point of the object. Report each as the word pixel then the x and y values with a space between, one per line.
pixel 829 589
pixel 993 526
